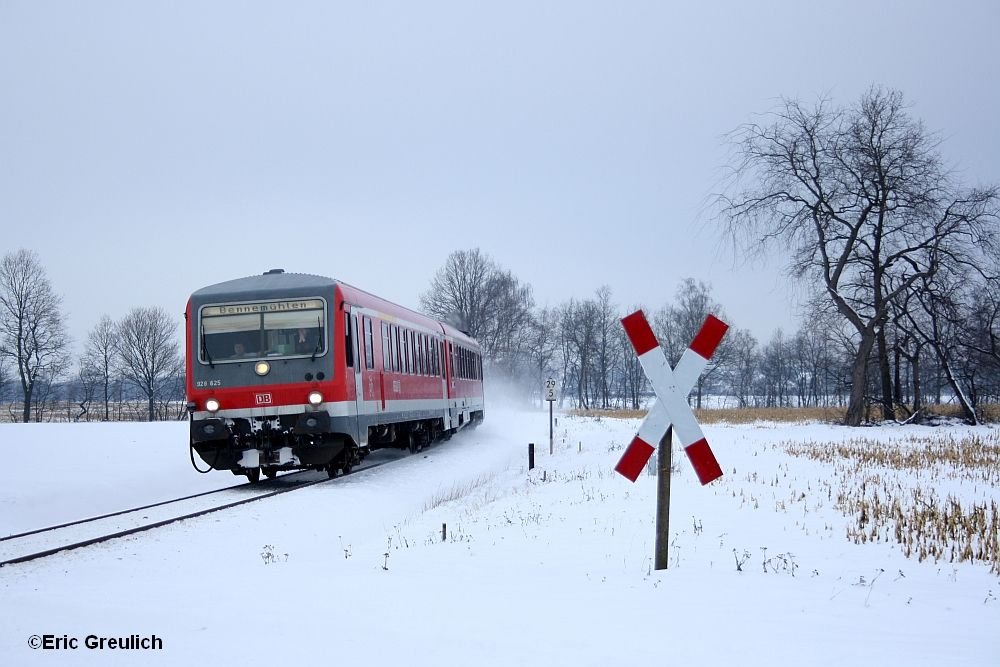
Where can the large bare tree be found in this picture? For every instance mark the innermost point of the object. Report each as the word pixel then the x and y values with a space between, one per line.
pixel 148 351
pixel 32 333
pixel 458 292
pixel 858 200
pixel 474 294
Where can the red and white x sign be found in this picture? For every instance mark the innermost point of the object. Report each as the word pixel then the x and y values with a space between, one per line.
pixel 672 388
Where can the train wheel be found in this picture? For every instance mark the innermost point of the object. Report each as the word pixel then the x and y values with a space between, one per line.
pixel 253 474
pixel 347 467
pixel 331 470
pixel 270 473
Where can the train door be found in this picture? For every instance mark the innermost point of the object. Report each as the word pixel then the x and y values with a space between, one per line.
pixel 443 363
pixel 359 388
pixel 450 383
pixel 370 380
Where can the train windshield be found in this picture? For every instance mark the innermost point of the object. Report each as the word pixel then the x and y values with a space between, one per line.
pixel 241 331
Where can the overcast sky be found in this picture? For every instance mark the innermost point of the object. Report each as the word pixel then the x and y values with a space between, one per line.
pixel 150 148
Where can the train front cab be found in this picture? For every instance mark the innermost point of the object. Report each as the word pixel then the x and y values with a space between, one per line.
pixel 267 383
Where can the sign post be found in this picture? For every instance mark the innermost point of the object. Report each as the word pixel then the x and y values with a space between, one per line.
pixel 670 413
pixel 663 464
pixel 550 396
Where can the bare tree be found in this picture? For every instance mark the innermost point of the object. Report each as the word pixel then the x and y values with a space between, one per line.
pixel 506 329
pixel 543 347
pixel 776 372
pixel 87 381
pixel 32 334
pixel 743 365
pixel 633 378
pixel 148 352
pixel 677 325
pixel 940 318
pixel 607 324
pixel 861 203
pixel 578 327
pixel 475 295
pixel 458 292
pixel 100 358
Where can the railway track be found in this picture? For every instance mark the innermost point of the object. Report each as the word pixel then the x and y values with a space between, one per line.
pixel 35 544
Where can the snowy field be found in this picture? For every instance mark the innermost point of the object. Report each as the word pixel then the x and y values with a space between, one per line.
pixel 547 567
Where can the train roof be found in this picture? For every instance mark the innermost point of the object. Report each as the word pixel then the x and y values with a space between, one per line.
pixel 274 280
pixel 277 282
pixel 458 334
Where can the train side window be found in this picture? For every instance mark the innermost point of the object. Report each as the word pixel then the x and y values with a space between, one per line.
pixel 441 357
pixel 384 330
pixel 356 333
pixel 389 356
pixel 394 348
pixel 399 351
pixel 369 346
pixel 420 354
pixel 406 352
pixel 348 341
pixel 423 355
pixel 413 353
pixel 430 355
pixel 417 361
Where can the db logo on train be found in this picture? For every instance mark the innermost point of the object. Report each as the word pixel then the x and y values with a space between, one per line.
pixel 263 399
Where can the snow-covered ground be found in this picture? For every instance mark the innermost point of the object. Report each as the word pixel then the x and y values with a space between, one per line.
pixel 547 567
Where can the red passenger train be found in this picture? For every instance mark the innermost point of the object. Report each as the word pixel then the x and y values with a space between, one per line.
pixel 289 371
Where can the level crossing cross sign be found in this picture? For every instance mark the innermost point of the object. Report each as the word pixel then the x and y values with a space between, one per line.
pixel 672 389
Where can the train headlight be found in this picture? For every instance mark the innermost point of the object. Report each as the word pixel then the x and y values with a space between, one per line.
pixel 262 368
pixel 212 405
pixel 315 398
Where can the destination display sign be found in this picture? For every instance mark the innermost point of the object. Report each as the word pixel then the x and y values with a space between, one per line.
pixel 268 307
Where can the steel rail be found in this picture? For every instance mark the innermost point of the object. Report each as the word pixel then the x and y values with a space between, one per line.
pixel 46 529
pixel 165 522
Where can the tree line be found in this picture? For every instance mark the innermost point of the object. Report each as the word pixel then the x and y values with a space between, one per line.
pixel 901 259
pixel 582 344
pixel 133 360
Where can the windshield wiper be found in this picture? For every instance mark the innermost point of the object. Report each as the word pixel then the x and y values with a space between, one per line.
pixel 319 341
pixel 204 349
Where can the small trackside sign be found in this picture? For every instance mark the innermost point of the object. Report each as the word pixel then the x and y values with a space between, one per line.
pixel 262 399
